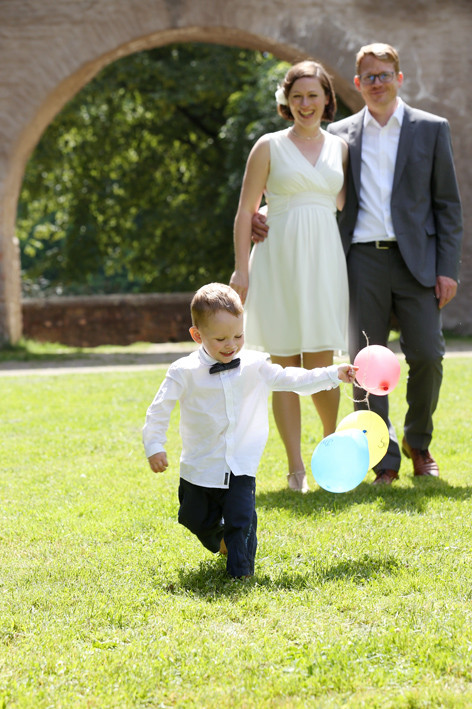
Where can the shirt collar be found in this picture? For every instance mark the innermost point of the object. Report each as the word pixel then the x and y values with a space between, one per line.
pixel 397 115
pixel 205 357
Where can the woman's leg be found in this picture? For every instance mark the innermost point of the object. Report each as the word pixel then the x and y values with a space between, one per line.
pixel 326 402
pixel 286 408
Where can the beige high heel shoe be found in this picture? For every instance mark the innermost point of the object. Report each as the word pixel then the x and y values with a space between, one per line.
pixel 298 482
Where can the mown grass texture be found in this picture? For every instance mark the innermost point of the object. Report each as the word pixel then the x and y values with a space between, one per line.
pixel 359 599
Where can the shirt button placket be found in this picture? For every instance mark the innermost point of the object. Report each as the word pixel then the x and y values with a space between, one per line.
pixel 229 403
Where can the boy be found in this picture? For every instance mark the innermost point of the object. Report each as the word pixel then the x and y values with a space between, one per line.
pixel 223 424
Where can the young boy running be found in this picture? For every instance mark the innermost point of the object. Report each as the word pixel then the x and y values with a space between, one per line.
pixel 223 393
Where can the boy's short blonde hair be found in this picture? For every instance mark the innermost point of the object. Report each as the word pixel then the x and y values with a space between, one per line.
pixel 211 298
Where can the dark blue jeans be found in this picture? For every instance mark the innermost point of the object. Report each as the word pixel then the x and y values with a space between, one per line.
pixel 214 513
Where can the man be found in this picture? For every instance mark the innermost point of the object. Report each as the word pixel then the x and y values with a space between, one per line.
pixel 401 229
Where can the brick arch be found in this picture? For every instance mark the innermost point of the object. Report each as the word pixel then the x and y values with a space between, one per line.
pixel 50 52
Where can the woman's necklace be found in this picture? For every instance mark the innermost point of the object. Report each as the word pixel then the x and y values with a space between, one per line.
pixel 307 137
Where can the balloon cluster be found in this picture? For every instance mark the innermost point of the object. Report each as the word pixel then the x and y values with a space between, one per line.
pixel 341 461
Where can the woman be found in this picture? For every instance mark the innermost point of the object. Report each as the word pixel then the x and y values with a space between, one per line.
pixel 294 284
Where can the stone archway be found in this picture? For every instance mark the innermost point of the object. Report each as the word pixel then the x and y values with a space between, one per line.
pixel 49 52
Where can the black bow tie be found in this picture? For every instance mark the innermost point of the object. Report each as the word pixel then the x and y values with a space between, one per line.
pixel 220 366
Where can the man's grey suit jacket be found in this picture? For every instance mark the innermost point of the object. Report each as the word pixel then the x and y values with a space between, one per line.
pixel 425 204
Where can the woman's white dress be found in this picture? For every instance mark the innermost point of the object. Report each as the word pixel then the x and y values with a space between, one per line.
pixel 298 292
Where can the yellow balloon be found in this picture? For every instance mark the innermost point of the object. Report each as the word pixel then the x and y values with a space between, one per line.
pixel 374 428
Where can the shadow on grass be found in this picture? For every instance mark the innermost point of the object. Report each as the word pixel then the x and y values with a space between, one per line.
pixel 414 499
pixel 358 570
pixel 210 581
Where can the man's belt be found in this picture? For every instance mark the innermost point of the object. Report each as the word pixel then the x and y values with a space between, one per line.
pixel 388 244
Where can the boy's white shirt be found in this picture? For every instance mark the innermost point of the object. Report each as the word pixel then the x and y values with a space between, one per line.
pixel 224 422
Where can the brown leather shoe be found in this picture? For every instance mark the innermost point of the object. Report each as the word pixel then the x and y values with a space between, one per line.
pixel 423 462
pixel 386 476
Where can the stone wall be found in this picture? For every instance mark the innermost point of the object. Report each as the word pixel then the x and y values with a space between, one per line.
pixel 49 50
pixel 108 319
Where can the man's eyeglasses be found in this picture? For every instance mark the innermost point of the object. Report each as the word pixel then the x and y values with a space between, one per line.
pixel 385 77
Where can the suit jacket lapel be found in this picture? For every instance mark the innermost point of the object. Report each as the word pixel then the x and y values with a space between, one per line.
pixel 355 148
pixel 404 145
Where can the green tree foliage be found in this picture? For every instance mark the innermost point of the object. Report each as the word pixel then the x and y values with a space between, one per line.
pixel 134 186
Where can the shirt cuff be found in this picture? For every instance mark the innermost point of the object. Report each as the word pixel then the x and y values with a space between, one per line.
pixel 153 448
pixel 333 374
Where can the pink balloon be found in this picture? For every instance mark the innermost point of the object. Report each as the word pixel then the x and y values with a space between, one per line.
pixel 379 369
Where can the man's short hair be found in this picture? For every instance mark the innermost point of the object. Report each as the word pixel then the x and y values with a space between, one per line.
pixel 211 298
pixel 384 52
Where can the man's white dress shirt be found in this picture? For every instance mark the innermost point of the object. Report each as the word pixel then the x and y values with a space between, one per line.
pixel 224 422
pixel 379 154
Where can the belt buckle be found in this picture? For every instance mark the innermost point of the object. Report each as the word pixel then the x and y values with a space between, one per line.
pixel 381 248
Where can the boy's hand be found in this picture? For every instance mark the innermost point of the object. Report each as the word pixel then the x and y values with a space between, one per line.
pixel 347 373
pixel 158 462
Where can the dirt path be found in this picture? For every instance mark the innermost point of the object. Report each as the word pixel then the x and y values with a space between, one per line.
pixel 158 354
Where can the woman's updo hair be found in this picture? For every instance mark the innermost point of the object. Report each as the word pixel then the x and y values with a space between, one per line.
pixel 313 70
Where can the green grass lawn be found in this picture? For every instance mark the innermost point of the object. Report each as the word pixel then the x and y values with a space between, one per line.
pixel 32 350
pixel 362 599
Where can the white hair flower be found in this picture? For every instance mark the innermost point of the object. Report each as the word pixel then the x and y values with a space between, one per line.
pixel 280 97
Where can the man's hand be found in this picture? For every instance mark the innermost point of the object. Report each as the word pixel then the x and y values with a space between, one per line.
pixel 445 290
pixel 158 462
pixel 259 226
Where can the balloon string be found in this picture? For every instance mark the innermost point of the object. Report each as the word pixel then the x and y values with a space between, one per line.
pixel 365 400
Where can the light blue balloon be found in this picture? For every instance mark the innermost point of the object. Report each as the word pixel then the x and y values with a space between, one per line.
pixel 340 461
